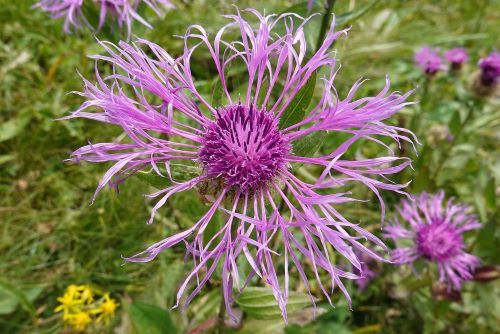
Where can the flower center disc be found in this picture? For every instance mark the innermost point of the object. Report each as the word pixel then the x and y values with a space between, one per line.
pixel 244 146
pixel 439 241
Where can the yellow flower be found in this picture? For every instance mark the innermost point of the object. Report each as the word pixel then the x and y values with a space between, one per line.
pixel 86 294
pixel 67 301
pixel 80 308
pixel 107 308
pixel 79 320
pixel 73 290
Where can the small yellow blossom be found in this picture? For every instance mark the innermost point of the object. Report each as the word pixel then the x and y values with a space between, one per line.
pixel 86 294
pixel 106 310
pixel 81 306
pixel 79 320
pixel 67 301
pixel 73 291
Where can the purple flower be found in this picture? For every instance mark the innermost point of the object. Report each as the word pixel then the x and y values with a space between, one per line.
pixel 490 69
pixel 244 153
pixel 428 60
pixel 457 57
pixel 436 231
pixel 123 11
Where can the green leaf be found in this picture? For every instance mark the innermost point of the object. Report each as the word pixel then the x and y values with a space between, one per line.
pixel 259 303
pixel 336 328
pixel 480 204
pixel 8 303
pixel 253 326
pixel 11 128
pixel 263 90
pixel 455 123
pixel 180 172
pixel 205 307
pixel 447 39
pixel 295 111
pixel 349 17
pixel 170 275
pixel 153 179
pixel 6 158
pixel 308 145
pixel 490 194
pixel 11 296
pixel 150 319
pixel 486 242
pixel 217 93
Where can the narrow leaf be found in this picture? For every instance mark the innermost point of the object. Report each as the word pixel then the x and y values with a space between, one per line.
pixel 480 204
pixel 490 194
pixel 179 172
pixel 153 179
pixel 455 122
pixel 308 145
pixel 295 111
pixel 217 92
pixel 349 17
pixel 11 128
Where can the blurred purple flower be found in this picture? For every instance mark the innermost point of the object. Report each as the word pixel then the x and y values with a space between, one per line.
pixel 429 60
pixel 241 148
pixel 457 57
pixel 490 69
pixel 437 235
pixel 123 11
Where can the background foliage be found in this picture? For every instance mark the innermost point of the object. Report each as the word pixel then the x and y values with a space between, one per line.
pixel 50 237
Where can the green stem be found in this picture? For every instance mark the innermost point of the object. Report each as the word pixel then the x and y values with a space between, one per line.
pixel 325 23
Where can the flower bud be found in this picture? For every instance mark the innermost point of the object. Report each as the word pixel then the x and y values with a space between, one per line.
pixel 486 274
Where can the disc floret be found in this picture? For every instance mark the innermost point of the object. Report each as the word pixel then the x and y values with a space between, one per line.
pixel 244 147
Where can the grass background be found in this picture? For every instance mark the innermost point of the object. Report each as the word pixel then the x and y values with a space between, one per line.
pixel 51 237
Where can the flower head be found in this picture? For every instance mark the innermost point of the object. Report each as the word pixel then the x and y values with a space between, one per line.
pixel 106 309
pixel 457 57
pixel 247 145
pixel 86 294
pixel 429 60
pixel 490 69
pixel 79 320
pixel 123 11
pixel 244 146
pixel 436 232
pixel 80 308
pixel 67 301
